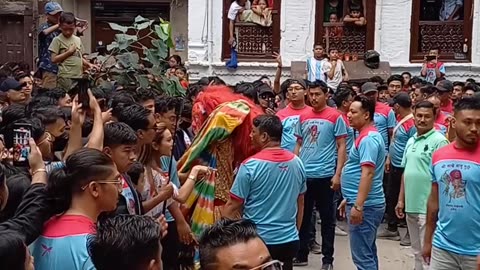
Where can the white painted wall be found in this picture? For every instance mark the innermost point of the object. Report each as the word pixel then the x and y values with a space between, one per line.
pixel 392 40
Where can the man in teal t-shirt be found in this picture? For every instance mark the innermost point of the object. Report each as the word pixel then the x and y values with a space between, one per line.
pixel 417 180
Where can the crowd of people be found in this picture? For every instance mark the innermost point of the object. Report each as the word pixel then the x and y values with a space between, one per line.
pixel 235 176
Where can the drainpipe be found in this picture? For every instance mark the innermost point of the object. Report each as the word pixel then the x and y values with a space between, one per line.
pixel 210 36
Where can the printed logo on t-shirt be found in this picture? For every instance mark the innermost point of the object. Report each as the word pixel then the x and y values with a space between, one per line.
pixel 454 185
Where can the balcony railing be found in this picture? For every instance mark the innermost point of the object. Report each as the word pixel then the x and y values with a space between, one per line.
pixel 254 41
pixel 345 38
pixel 447 36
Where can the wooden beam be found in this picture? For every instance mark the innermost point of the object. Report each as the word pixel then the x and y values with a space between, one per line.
pixel 15 8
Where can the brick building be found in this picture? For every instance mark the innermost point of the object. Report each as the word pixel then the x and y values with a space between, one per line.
pixel 401 31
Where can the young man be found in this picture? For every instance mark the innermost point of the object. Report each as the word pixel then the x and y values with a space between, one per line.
pixel 432 69
pixel 416 179
pixel 384 118
pixel 402 132
pixel 47 32
pixel 66 51
pixel 452 238
pixel 321 145
pixel 146 98
pixel 220 245
pixel 362 184
pixel 126 242
pixel 317 66
pixel 14 91
pixel 296 94
pixel 458 90
pixel 445 89
pixel 343 99
pixel 442 122
pixel 119 143
pixel 273 178
pixel 337 73
pixel 395 85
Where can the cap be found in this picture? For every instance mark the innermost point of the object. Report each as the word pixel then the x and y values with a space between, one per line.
pixel 10 84
pixel 265 89
pixel 445 86
pixel 53 8
pixel 300 82
pixel 369 87
pixel 403 99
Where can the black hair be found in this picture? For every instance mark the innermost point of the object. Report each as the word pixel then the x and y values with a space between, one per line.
pixel 471 86
pixel 355 8
pixel 177 58
pixel 12 113
pixel 49 114
pixel 407 73
pixel 342 95
pixel 2 180
pixel 269 124
pixel 215 80
pixel 17 185
pixel 417 80
pixel 429 90
pixel 193 90
pixel 67 111
pixel 426 105
pixel 21 75
pixel 163 104
pixel 124 242
pixel 136 116
pixel 80 169
pixel 457 83
pixel 40 101
pixel 142 95
pixel 56 93
pixel 318 84
pixel 367 105
pixel 187 110
pixel 13 250
pixel 224 233
pixel 135 171
pixel 395 77
pixel 67 18
pixel 118 100
pixel 248 90
pixel 318 45
pixel 376 79
pixel 467 103
pixel 284 87
pixel 99 92
pixel 182 68
pixel 382 87
pixel 118 133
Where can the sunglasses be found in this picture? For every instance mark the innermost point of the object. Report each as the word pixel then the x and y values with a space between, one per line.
pixel 271 265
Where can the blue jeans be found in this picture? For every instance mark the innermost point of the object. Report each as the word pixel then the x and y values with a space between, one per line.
pixel 363 236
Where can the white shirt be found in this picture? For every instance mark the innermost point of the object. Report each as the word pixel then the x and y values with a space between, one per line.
pixel 337 76
pixel 235 8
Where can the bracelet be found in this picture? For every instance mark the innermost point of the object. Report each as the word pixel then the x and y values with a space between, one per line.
pixel 190 177
pixel 39 170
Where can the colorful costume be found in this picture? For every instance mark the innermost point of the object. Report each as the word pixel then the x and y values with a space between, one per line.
pixel 222 121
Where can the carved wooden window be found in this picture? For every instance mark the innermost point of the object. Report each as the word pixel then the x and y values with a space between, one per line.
pixel 253 41
pixel 352 39
pixel 434 27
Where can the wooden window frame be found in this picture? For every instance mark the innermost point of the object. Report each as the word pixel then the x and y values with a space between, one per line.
pixel 276 35
pixel 418 57
pixel 370 16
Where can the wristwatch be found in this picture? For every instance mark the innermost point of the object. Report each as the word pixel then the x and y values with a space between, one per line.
pixel 358 208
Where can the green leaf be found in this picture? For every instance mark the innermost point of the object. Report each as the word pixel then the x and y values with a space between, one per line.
pixel 111 46
pixel 124 40
pixel 172 87
pixel 142 80
pixel 118 27
pixel 128 60
pixel 151 56
pixel 142 23
pixel 141 19
pixel 160 33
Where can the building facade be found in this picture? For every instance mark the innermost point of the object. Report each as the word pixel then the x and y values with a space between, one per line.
pixel 401 31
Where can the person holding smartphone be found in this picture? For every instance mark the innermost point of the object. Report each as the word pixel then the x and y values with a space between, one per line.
pixel 432 69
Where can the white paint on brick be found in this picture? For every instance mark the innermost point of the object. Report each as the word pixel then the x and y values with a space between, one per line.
pixel 392 40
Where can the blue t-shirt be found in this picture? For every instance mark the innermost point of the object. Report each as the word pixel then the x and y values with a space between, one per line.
pixel 369 150
pixel 384 120
pixel 350 133
pixel 269 184
pixel 165 161
pixel 289 117
pixel 318 132
pixel 44 56
pixel 457 173
pixel 63 244
pixel 399 141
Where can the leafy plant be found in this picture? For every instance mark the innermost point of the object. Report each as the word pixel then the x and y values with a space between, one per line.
pixel 140 51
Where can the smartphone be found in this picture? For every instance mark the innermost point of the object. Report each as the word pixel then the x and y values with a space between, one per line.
pixel 82 93
pixel 430 57
pixel 271 103
pixel 22 132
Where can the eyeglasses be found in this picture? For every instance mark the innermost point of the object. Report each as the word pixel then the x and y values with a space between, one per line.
pixel 118 182
pixel 271 265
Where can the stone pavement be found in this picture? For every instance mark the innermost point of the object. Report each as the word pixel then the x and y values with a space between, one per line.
pixel 391 255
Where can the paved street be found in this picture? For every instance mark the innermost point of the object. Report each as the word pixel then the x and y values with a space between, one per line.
pixel 392 256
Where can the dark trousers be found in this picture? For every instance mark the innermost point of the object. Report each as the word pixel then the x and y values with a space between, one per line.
pixel 170 250
pixel 284 253
pixel 393 189
pixel 319 191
